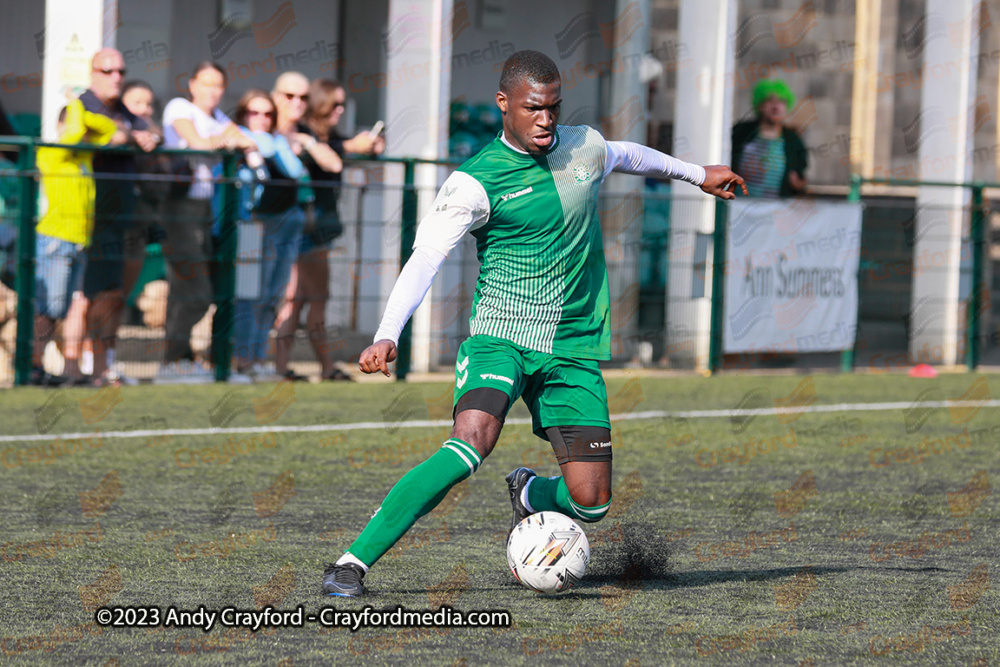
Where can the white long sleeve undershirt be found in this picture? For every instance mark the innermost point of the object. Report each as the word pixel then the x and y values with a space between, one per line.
pixel 631 158
pixel 410 289
pixel 462 204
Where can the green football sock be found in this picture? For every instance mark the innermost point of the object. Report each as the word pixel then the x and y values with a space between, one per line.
pixel 416 494
pixel 550 494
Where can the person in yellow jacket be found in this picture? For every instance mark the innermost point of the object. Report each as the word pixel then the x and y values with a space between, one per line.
pixel 66 223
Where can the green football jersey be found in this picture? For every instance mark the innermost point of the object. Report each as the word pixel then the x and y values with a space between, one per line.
pixel 543 283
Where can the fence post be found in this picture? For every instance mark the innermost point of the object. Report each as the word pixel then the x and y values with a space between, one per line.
pixel 977 231
pixel 225 284
pixel 847 355
pixel 24 350
pixel 408 234
pixel 718 286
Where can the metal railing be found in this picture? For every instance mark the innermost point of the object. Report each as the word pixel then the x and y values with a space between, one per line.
pixel 977 236
pixel 225 248
pixel 974 305
pixel 626 294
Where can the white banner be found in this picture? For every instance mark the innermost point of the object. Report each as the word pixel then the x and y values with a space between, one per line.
pixel 791 276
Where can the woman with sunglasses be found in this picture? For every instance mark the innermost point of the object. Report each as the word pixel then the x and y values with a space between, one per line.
pixel 310 282
pixel 195 123
pixel 271 198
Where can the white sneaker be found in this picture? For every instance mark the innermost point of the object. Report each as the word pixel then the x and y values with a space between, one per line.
pixel 237 377
pixel 183 372
pixel 265 372
pixel 114 374
pixel 87 362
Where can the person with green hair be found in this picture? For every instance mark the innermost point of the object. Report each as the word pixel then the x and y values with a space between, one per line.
pixel 767 153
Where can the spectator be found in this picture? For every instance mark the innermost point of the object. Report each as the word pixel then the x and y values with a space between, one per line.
pixel 150 193
pixel 282 227
pixel 766 152
pixel 196 124
pixel 310 284
pixel 115 207
pixel 66 225
pixel 281 218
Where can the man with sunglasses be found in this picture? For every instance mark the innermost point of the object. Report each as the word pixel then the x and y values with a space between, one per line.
pixel 114 208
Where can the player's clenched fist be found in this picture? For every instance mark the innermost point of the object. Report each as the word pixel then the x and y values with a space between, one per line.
pixel 377 357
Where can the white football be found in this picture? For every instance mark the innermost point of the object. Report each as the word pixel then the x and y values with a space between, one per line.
pixel 548 552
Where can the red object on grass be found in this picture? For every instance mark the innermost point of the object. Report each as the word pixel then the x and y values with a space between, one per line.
pixel 923 371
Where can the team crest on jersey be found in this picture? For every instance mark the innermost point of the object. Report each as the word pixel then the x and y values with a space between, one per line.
pixel 581 174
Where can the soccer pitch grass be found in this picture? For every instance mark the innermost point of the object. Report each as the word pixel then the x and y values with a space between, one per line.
pixel 795 538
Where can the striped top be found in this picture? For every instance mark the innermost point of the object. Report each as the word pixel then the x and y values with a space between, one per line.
pixel 543 282
pixel 763 166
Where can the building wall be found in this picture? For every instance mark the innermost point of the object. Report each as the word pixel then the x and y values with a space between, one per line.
pixel 906 79
pixel 563 29
pixel 165 39
pixel 21 57
pixel 810 44
pixel 364 57
pixel 811 50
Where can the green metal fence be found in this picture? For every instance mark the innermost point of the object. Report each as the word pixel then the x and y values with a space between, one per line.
pixel 977 238
pixel 639 301
pixel 871 304
pixel 224 282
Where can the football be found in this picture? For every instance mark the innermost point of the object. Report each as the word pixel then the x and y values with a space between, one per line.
pixel 548 552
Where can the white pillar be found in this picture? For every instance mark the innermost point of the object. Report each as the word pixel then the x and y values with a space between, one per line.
pixel 622 214
pixel 74 31
pixel 702 129
pixel 417 45
pixel 865 95
pixel 945 131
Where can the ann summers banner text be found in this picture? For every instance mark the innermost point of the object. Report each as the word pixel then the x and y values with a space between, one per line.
pixel 792 276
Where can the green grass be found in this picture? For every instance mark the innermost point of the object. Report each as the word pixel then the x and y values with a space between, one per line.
pixel 668 581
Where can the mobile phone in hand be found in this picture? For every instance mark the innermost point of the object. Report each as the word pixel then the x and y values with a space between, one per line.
pixel 376 130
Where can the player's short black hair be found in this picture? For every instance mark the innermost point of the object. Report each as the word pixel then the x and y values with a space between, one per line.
pixel 534 66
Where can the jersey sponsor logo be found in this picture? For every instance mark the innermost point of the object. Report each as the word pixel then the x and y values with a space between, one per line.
pixel 491 376
pixel 512 195
pixel 600 445
pixel 463 368
pixel 581 173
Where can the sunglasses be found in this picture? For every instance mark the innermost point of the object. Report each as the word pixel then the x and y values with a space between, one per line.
pixel 254 112
pixel 109 72
pixel 293 96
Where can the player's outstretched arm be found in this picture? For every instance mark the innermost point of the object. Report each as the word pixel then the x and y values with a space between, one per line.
pixel 631 158
pixel 378 356
pixel 722 182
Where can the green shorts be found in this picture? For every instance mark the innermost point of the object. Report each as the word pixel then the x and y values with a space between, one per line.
pixel 559 391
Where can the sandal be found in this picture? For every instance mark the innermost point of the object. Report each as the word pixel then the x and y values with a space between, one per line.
pixel 292 376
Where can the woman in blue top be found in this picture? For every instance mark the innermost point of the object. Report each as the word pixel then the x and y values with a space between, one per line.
pixel 310 284
pixel 274 171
